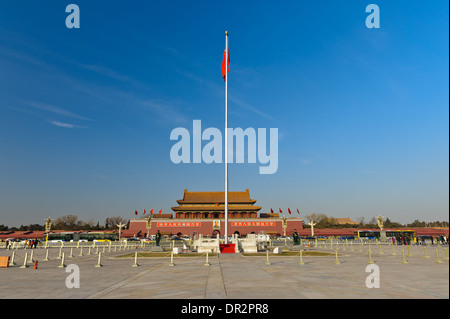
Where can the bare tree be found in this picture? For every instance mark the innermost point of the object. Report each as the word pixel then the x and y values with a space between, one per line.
pixel 113 221
pixel 67 222
pixel 317 217
pixel 361 220
pixel 90 223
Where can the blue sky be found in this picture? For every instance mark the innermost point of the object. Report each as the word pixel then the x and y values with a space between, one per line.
pixel 86 114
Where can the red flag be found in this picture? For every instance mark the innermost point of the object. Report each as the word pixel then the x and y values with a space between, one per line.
pixel 135 212
pixel 298 211
pixel 144 212
pixel 224 64
pixel 271 210
pixel 289 210
pixel 160 211
pixel 280 210
pixel 151 212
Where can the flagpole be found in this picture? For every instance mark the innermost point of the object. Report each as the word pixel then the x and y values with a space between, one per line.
pixel 226 137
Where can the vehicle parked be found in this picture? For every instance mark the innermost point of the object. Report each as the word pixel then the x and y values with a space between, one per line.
pixel 79 241
pixel 132 240
pixel 101 241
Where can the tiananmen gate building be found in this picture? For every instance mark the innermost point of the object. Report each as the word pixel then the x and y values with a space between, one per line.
pixel 204 213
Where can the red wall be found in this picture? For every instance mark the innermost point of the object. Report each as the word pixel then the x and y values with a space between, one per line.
pixel 205 226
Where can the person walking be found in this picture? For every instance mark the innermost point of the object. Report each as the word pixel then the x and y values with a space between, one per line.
pixel 158 237
pixel 296 237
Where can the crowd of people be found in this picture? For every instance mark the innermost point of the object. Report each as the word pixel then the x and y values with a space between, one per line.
pixel 27 243
pixel 420 240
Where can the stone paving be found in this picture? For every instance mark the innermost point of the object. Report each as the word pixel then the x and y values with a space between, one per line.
pixel 230 276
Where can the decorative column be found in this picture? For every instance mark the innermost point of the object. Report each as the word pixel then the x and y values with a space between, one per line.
pixel 312 224
pixel 148 224
pixel 120 225
pixel 284 225
pixel 48 226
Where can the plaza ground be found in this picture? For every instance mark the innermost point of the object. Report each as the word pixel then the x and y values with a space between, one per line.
pixel 231 276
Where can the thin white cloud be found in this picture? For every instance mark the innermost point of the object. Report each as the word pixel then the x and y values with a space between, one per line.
pixel 164 111
pixel 105 71
pixel 56 110
pixel 65 125
pixel 305 161
pixel 218 90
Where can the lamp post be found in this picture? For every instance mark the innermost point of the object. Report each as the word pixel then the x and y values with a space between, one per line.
pixel 312 224
pixel 48 226
pixel 381 226
pixel 284 225
pixel 120 225
pixel 148 224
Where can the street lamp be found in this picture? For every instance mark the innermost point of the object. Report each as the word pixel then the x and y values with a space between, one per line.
pixel 120 225
pixel 48 226
pixel 149 225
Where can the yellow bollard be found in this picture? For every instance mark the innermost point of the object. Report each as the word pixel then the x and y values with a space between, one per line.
pixel 31 256
pixel 135 260
pixel 99 264
pixel 370 257
pixel 62 265
pixel 171 259
pixel 438 261
pixel 446 255
pixel 425 249
pixel 60 253
pixel 337 261
pixel 267 258
pixel 381 251
pixel 409 252
pixel 403 258
pixel 301 258
pixel 25 262
pixel 11 262
pixel 46 255
pixel 207 261
pixel 81 251
pixel 393 251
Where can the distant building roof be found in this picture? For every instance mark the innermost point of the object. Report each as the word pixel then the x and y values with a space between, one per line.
pixel 343 221
pixel 215 197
